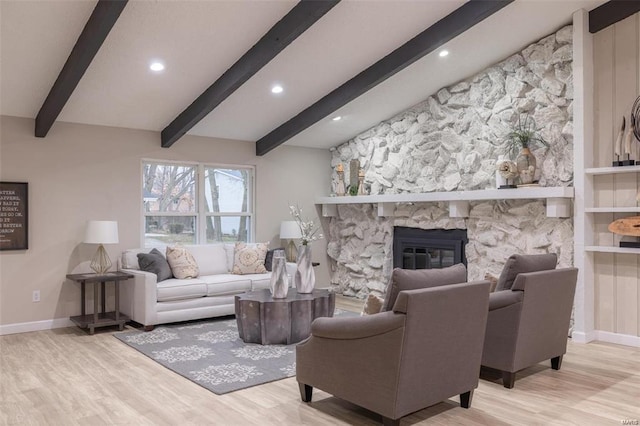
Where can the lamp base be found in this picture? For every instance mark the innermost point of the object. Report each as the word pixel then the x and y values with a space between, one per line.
pixel 292 252
pixel 100 262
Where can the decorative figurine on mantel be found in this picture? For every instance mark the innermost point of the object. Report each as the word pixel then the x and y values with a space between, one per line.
pixel 340 185
pixel 361 189
pixel 507 171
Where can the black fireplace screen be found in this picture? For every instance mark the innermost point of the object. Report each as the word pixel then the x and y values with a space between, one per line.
pixel 428 248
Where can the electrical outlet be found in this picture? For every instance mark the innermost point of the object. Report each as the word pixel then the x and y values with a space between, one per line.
pixel 36 296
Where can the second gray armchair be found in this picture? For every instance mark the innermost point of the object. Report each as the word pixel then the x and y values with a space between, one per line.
pixel 529 318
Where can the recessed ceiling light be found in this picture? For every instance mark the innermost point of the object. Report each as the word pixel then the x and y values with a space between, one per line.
pixel 156 66
pixel 443 53
pixel 277 89
pixel 337 118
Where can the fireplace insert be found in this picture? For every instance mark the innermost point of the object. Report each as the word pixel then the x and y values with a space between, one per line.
pixel 415 248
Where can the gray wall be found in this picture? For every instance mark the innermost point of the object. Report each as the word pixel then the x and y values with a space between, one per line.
pixel 82 172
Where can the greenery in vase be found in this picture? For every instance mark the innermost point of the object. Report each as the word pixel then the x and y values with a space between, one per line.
pixel 523 135
pixel 308 229
pixel 353 189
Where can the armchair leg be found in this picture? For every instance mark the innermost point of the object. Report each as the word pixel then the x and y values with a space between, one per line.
pixel 386 421
pixel 149 327
pixel 556 362
pixel 508 379
pixel 465 399
pixel 305 392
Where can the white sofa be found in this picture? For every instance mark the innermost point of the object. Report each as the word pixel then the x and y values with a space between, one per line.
pixel 211 294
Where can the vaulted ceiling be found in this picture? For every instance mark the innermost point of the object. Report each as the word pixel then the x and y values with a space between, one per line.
pixel 223 57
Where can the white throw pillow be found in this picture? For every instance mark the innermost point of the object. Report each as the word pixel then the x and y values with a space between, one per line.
pixel 182 263
pixel 249 258
pixel 129 258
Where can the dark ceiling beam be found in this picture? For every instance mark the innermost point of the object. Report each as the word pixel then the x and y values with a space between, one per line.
pixel 293 24
pixel 611 12
pixel 102 19
pixel 427 41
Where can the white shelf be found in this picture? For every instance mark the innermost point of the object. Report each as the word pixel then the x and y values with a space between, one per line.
pixel 612 170
pixel 612 249
pixel 612 210
pixel 478 195
pixel 558 200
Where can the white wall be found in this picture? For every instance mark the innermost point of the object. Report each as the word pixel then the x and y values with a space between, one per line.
pixel 82 172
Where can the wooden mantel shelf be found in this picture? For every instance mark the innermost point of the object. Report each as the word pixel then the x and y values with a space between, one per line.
pixel 558 200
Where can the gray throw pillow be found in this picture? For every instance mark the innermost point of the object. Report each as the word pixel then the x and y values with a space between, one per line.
pixel 410 279
pixel 268 260
pixel 155 262
pixel 520 264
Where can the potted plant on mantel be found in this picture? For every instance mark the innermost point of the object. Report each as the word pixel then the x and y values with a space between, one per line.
pixel 522 137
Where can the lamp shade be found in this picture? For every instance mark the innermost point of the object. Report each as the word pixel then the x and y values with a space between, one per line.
pixel 289 229
pixel 101 232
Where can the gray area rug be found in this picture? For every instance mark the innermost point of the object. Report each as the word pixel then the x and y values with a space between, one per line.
pixel 211 354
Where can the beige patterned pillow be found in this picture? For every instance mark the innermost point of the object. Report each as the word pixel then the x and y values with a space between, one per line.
pixel 249 258
pixel 373 305
pixel 182 263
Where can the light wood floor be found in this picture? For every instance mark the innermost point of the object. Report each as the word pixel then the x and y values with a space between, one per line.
pixel 66 377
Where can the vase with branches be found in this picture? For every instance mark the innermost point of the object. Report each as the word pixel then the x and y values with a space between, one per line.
pixel 305 278
pixel 519 141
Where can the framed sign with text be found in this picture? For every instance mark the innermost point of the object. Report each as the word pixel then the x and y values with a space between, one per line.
pixel 14 216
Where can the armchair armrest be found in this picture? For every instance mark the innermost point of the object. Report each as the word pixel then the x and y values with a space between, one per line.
pixel 357 327
pixel 503 298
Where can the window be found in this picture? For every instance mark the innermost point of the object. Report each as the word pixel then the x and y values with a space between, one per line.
pixel 196 203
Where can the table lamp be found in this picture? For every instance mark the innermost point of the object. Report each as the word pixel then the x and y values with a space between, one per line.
pixel 289 230
pixel 101 232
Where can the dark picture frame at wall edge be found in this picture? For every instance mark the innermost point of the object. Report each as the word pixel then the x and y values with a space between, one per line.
pixel 14 216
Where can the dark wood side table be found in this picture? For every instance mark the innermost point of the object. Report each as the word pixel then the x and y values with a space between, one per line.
pixel 100 318
pixel 268 321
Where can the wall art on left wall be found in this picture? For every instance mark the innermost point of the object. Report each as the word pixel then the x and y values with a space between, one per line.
pixel 14 215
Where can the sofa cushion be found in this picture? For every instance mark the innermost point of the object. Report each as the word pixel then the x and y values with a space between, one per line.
pixel 211 258
pixel 129 258
pixel 221 284
pixel 249 258
pixel 259 281
pixel 182 263
pixel 155 262
pixel 229 248
pixel 177 289
pixel 408 279
pixel 518 263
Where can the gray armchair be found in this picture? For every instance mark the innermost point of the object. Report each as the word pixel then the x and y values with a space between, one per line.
pixel 423 351
pixel 529 321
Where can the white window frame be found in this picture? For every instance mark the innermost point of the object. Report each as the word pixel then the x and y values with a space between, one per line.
pixel 200 212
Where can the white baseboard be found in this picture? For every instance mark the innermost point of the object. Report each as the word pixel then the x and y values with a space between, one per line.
pixel 606 336
pixel 25 327
pixel 620 339
pixel 582 337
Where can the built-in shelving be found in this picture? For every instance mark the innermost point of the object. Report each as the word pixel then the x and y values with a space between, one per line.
pixel 558 200
pixel 612 249
pixel 612 170
pixel 612 210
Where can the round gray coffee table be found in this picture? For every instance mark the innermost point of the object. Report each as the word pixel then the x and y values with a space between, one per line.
pixel 268 321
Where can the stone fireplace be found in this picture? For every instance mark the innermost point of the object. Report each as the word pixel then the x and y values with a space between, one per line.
pixel 450 142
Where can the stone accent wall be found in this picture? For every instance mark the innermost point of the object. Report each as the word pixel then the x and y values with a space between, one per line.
pixel 450 142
